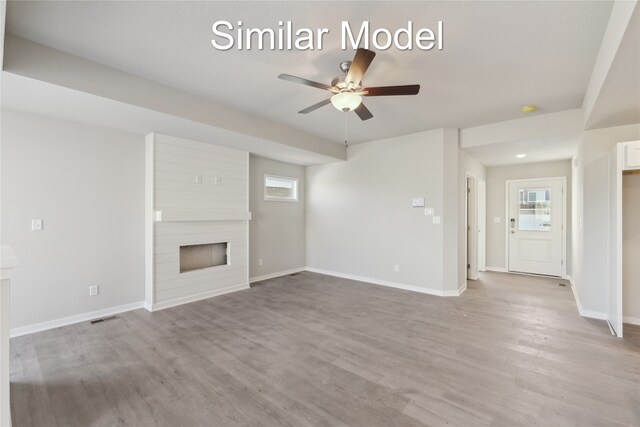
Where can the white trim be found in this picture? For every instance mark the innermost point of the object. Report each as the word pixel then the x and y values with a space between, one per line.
pixel 8 262
pixel 379 282
pixel 471 229
pixel 631 320
pixel 196 297
pixel 64 321
pixel 587 313
pixel 276 274
pixel 462 289
pixel 482 227
pixel 496 269
pixel 181 215
pixel 594 315
pixel 614 245
pixel 149 219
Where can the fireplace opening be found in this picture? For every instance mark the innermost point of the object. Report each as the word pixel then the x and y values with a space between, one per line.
pixel 197 257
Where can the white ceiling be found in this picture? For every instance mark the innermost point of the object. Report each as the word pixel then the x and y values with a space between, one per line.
pixel 536 150
pixel 498 56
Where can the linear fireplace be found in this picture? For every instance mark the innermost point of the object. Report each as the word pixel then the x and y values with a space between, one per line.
pixel 197 257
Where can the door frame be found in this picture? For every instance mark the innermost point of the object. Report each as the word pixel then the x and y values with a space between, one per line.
pixel 564 220
pixel 471 228
pixel 614 241
pixel 482 224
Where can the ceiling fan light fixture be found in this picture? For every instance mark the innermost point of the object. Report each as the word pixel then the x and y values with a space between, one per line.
pixel 346 101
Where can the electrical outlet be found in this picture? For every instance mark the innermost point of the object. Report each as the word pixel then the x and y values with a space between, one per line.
pixel 429 211
pixel 260 261
pixel 396 268
pixel 93 290
pixel 217 180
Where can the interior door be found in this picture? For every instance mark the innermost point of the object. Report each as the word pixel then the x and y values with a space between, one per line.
pixel 535 227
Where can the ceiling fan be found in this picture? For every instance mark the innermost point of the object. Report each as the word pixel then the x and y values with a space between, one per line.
pixel 347 88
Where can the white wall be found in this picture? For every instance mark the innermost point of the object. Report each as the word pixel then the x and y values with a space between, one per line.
pixel 496 181
pixel 277 229
pixel 359 216
pixel 87 184
pixel 631 248
pixel 590 231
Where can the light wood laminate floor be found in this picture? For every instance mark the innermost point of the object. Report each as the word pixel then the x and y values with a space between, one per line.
pixel 313 350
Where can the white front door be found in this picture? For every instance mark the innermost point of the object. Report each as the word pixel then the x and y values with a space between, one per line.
pixel 535 226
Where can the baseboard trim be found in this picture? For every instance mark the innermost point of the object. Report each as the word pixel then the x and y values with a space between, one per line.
pixel 594 314
pixel 631 320
pixel 70 320
pixel 462 289
pixel 276 274
pixel 496 269
pixel 195 297
pixel 587 313
pixel 379 282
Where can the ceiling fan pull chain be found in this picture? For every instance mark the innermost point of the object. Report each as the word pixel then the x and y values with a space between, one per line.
pixel 346 122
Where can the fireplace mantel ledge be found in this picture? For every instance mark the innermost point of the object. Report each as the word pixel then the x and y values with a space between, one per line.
pixel 8 262
pixel 174 215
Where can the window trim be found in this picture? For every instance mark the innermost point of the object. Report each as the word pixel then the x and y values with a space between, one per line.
pixel 280 199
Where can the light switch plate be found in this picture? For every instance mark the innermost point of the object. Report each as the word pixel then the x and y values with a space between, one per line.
pixel 36 225
pixel 418 202
pixel 436 220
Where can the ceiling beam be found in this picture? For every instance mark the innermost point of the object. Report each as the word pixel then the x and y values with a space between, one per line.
pixel 536 127
pixel 38 63
pixel 619 21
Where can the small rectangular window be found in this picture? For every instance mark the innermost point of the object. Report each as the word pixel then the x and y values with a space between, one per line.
pixel 534 213
pixel 280 188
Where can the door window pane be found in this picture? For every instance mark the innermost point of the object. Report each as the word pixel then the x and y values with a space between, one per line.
pixel 534 209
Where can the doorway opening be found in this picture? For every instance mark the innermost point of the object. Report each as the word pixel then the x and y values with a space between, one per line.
pixel 623 239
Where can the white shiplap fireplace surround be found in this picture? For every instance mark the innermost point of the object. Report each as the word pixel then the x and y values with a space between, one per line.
pixel 196 193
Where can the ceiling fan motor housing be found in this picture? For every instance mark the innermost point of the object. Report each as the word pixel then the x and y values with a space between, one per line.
pixel 347 96
pixel 344 66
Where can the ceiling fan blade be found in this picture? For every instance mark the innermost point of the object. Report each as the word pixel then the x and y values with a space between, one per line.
pixel 363 112
pixel 305 82
pixel 361 62
pixel 391 90
pixel 315 106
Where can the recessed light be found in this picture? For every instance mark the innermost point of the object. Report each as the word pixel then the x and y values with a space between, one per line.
pixel 521 156
pixel 528 108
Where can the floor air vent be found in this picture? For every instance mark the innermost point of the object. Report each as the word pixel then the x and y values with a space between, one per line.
pixel 104 319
